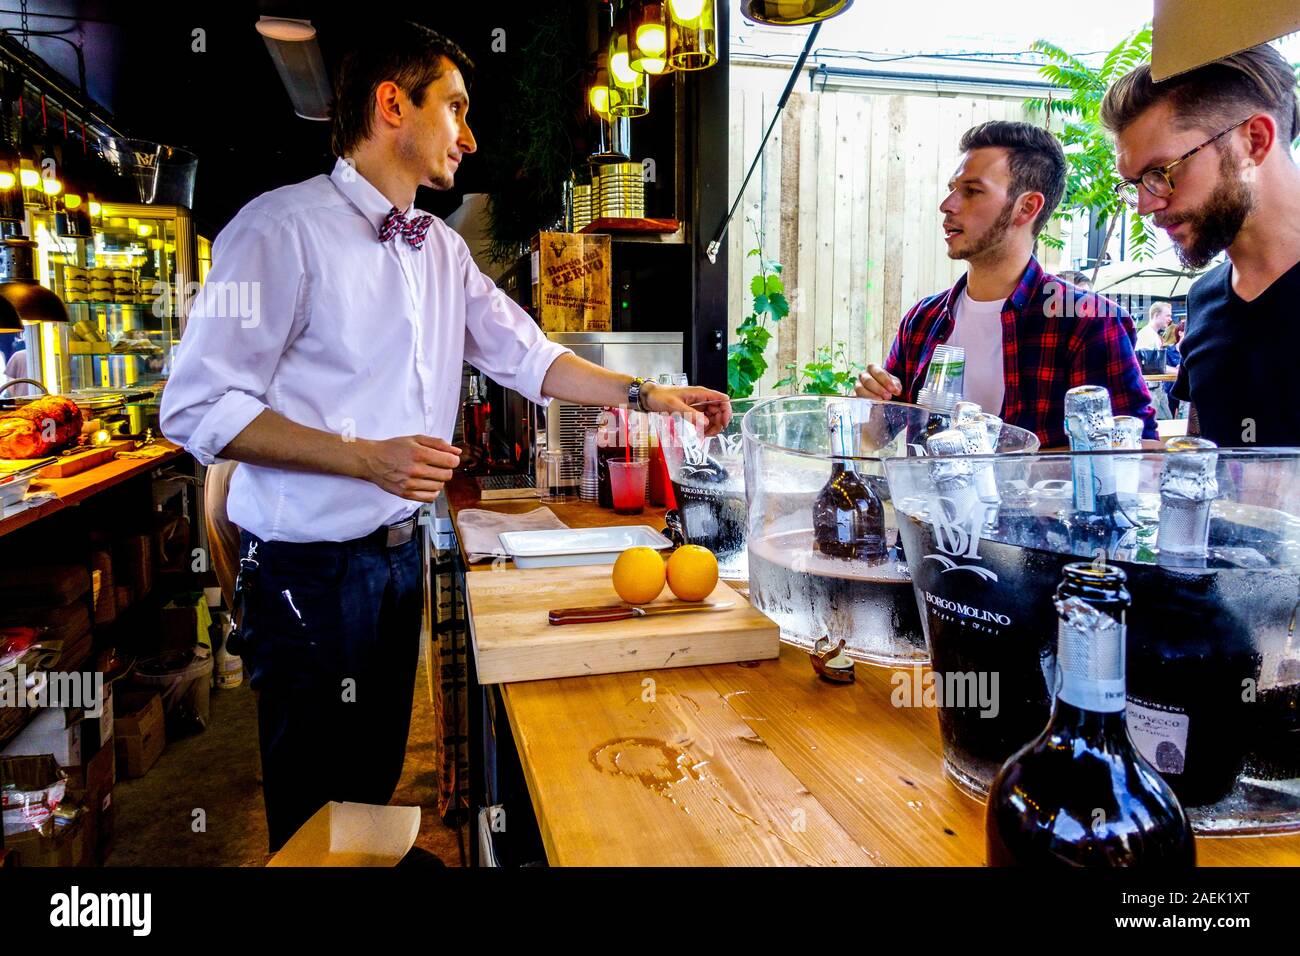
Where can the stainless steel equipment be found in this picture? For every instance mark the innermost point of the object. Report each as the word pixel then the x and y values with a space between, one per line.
pixel 646 354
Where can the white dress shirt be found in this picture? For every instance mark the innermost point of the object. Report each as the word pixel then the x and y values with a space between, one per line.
pixel 307 313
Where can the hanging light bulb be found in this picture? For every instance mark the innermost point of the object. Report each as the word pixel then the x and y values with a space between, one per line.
pixel 791 13
pixel 629 90
pixel 692 34
pixel 649 33
pixel 598 88
pixel 684 11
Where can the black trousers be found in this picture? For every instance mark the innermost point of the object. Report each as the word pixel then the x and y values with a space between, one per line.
pixel 330 635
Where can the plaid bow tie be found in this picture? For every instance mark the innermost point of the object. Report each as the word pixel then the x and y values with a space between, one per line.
pixel 414 230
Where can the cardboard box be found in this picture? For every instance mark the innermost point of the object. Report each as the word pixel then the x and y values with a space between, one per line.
pixel 139 731
pixel 30 789
pixel 52 845
pixel 352 834
pixel 65 733
pixel 1190 33
pixel 92 783
pixel 48 733
pixel 572 288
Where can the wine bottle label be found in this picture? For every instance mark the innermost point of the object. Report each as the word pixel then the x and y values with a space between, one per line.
pixel 1097 696
pixel 1159 732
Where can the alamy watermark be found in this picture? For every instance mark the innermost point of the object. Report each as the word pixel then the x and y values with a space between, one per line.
pixel 961 689
pixel 223 300
pixel 82 689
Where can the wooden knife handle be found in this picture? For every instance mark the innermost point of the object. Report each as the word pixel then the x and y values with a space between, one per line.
pixel 589 615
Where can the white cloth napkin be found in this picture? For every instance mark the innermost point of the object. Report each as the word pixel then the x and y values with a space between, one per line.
pixel 30 500
pixel 479 529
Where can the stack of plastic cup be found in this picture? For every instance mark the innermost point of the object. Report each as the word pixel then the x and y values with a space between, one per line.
pixel 589 489
pixel 944 379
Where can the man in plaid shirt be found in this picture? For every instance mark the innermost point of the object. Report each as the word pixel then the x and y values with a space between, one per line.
pixel 1029 336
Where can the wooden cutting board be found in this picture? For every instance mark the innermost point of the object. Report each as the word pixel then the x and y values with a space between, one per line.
pixel 82 460
pixel 514 642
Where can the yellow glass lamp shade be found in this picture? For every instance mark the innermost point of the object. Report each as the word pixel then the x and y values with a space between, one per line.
pixel 629 90
pixel 599 98
pixel 96 209
pixel 29 177
pixel 792 13
pixel 51 186
pixel 71 201
pixel 7 180
pixel 648 28
pixel 692 34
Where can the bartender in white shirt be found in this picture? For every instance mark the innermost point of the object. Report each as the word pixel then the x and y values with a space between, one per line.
pixel 324 352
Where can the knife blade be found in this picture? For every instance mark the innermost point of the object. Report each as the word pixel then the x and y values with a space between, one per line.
pixel 624 612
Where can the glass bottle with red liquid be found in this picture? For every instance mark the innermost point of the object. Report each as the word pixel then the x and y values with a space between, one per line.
pixel 477 453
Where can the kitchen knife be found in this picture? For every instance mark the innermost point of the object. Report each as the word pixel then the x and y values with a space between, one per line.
pixel 624 612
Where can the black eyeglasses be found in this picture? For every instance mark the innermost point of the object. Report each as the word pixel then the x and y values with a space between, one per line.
pixel 1156 180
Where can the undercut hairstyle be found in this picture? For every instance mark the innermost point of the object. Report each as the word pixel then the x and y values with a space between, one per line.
pixel 1214 96
pixel 408 54
pixel 1034 156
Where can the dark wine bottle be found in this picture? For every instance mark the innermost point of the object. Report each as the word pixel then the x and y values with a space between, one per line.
pixel 848 517
pixel 1098 525
pixel 1189 706
pixel 1081 794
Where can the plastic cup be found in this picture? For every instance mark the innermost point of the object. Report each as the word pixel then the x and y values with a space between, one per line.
pixel 945 378
pixel 557 480
pixel 627 481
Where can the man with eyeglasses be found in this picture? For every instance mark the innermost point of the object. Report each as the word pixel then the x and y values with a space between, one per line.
pixel 1207 153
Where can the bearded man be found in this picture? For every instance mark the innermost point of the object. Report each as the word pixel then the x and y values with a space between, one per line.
pixel 1208 154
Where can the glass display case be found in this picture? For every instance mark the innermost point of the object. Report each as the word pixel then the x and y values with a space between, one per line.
pixel 126 291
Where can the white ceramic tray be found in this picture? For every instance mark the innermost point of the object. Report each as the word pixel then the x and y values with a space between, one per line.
pixel 568 546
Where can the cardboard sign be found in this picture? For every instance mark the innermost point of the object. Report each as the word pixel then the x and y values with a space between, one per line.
pixel 1190 33
pixel 572 288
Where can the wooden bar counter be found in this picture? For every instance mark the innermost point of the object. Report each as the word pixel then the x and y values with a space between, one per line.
pixel 758 763
pixel 77 488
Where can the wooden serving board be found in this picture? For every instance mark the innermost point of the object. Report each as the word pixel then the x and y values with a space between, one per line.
pixel 514 642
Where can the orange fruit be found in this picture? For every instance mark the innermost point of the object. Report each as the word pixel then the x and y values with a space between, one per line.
pixel 639 575
pixel 692 572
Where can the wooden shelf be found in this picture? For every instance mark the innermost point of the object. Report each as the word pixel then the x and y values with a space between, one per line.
pixel 638 230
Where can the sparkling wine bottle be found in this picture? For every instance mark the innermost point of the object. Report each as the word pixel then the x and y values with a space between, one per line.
pixel 848 517
pixel 1098 525
pixel 1081 795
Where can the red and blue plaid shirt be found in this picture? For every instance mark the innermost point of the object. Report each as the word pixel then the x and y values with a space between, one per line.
pixel 1054 337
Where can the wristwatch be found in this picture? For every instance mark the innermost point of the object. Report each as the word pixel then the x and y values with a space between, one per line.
pixel 636 394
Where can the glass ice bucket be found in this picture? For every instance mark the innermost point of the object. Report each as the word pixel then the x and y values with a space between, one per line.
pixel 708 481
pixel 1213 661
pixel 810 595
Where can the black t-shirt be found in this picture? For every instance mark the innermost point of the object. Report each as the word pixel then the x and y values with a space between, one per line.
pixel 1240 360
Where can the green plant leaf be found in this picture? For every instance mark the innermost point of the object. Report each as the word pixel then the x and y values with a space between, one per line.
pixel 778 306
pixel 757 286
